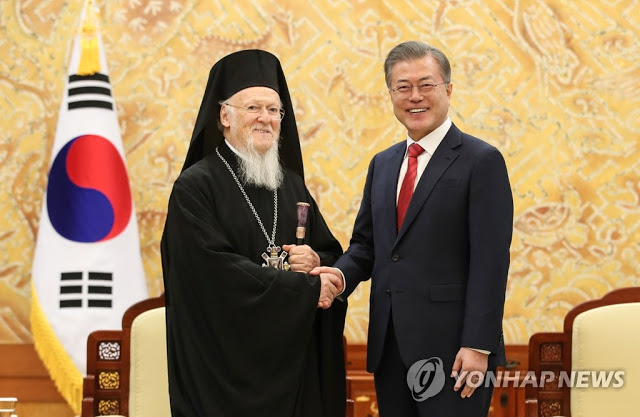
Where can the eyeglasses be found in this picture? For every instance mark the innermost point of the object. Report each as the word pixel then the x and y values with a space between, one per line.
pixel 405 91
pixel 273 111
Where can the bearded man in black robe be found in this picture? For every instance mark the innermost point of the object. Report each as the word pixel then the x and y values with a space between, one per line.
pixel 245 338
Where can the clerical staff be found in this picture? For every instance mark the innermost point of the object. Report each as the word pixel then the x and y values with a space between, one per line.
pixel 301 230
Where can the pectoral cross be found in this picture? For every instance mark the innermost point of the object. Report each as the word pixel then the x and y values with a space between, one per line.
pixel 274 260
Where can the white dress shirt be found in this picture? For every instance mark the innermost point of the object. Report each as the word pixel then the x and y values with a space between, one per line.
pixel 429 143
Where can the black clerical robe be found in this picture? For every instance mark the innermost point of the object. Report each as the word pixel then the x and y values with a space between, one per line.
pixel 242 339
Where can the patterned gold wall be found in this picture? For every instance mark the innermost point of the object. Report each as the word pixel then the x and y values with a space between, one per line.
pixel 554 84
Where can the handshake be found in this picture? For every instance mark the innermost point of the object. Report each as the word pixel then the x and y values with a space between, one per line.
pixel 304 259
pixel 331 284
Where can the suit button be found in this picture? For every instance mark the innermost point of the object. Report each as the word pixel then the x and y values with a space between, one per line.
pixel 388 292
pixel 395 257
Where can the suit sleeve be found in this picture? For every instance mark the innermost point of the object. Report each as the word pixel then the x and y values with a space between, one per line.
pixel 357 262
pixel 322 240
pixel 490 230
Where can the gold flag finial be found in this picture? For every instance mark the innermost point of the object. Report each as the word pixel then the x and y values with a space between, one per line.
pixel 90 49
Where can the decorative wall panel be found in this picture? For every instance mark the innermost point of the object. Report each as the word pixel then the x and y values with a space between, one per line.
pixel 554 84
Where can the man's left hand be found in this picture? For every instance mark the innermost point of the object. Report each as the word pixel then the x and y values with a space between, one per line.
pixel 470 368
pixel 301 258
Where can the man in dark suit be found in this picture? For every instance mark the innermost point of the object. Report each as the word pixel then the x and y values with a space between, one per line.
pixel 433 233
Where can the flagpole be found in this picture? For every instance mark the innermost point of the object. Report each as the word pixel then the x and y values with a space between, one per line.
pixel 90 52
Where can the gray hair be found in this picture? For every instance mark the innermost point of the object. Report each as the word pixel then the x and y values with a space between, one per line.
pixel 412 50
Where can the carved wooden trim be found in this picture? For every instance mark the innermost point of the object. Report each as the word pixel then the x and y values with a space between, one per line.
pixel 109 350
pixel 551 352
pixel 108 407
pixel 550 408
pixel 553 385
pixel 109 380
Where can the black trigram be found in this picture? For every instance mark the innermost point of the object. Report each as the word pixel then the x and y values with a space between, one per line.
pixel 98 293
pixel 90 91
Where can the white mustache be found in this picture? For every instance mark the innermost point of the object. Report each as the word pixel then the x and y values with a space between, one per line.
pixel 269 130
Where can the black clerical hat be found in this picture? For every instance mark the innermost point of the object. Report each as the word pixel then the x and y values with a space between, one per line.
pixel 235 72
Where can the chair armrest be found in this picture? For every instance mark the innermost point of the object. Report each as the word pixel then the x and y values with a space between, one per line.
pixel 350 410
pixel 531 407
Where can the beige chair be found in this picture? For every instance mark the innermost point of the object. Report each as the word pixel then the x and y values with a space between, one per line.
pixel 149 382
pixel 127 369
pixel 601 339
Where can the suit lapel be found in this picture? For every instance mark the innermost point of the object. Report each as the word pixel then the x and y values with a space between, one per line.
pixel 442 158
pixel 391 187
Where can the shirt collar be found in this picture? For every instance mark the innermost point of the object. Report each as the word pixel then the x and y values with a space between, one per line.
pixel 430 142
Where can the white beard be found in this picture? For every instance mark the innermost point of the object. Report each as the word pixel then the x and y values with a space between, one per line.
pixel 261 170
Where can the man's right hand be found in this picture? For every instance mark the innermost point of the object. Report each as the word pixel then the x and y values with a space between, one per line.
pixel 330 286
pixel 330 270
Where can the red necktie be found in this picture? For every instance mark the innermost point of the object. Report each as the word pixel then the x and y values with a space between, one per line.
pixel 406 190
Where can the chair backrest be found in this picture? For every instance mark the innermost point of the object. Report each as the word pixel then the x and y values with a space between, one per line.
pixel 149 382
pixel 599 338
pixel 127 369
pixel 606 340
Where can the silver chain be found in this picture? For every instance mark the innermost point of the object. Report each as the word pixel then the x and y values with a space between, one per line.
pixel 272 241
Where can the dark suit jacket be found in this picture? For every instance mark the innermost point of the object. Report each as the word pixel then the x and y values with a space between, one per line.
pixel 442 278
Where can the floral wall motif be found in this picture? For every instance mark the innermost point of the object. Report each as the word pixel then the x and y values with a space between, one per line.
pixel 554 84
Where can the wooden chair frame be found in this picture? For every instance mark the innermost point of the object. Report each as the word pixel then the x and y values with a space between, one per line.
pixel 551 352
pixel 106 386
